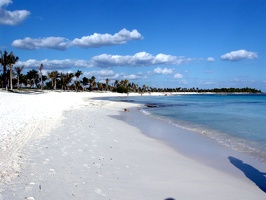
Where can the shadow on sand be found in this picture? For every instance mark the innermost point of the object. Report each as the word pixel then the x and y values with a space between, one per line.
pixel 252 173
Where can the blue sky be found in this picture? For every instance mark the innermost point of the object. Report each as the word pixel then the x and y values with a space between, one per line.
pixel 159 43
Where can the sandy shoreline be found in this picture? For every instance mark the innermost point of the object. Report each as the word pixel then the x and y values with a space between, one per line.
pixel 77 148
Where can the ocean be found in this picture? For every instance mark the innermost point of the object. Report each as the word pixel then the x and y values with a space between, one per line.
pixel 237 121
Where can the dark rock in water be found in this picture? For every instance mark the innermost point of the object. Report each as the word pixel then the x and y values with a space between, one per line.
pixel 152 106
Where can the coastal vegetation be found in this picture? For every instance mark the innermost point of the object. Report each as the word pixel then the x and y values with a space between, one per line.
pixel 54 80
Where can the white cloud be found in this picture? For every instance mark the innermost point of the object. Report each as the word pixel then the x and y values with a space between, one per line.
pixel 58 43
pixel 101 73
pixel 11 17
pixel 178 76
pixel 159 70
pixel 56 64
pixel 139 59
pixel 99 40
pixel 239 55
pixel 5 3
pixel 131 77
pixel 104 60
pixel 210 59
pixel 95 40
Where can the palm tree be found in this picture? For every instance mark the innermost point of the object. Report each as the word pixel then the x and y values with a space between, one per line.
pixel 40 69
pixel 126 82
pixel 92 82
pixel 4 63
pixel 100 86
pixel 85 82
pixel 77 75
pixel 144 88
pixel 122 83
pixel 62 79
pixel 8 60
pixel 116 83
pixel 12 59
pixel 53 76
pixel 32 77
pixel 106 82
pixel 66 80
pixel 18 70
pixel 23 80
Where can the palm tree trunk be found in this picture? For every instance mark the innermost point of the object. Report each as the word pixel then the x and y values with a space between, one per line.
pixel 18 86
pixel 55 84
pixel 11 77
pixel 4 77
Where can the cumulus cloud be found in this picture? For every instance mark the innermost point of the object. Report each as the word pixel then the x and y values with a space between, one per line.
pixel 101 73
pixel 178 76
pixel 55 64
pixel 239 55
pixel 159 70
pixel 5 3
pixel 104 61
pixel 58 43
pixel 99 40
pixel 131 77
pixel 139 59
pixel 11 17
pixel 61 43
pixel 210 59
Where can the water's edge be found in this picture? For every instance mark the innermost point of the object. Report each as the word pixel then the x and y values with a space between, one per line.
pixel 189 143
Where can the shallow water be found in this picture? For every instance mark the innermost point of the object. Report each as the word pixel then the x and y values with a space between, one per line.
pixel 235 121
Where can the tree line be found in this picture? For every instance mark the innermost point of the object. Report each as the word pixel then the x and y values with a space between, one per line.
pixel 13 78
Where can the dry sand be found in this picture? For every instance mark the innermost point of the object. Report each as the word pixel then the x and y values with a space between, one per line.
pixel 67 146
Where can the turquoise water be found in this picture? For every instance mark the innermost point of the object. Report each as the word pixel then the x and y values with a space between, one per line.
pixel 236 121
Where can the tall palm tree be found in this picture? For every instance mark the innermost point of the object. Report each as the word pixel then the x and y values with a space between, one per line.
pixel 8 60
pixel 106 82
pixel 4 63
pixel 40 69
pixel 12 59
pixel 77 75
pixel 18 70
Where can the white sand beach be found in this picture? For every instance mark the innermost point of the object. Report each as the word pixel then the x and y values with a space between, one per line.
pixel 65 145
